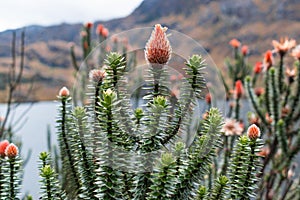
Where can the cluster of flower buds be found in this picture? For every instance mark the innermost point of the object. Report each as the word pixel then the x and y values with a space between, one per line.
pixel 9 150
pixel 236 44
pixel 102 31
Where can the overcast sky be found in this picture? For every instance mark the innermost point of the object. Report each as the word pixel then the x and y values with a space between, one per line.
pixel 20 13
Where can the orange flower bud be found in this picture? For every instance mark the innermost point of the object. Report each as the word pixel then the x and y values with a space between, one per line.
pixel 239 89
pixel 208 98
pixel 11 151
pixel 3 145
pixel 253 132
pixel 259 91
pixel 269 118
pixel 99 29
pixel 235 43
pixel 105 32
pixel 268 60
pixel 245 50
pixel 89 25
pixel 258 67
pixel 64 92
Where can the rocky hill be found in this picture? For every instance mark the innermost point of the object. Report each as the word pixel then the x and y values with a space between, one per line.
pixel 210 22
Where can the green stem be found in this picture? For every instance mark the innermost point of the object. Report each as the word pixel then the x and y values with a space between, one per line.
pixel 1 177
pixel 287 95
pixel 12 179
pixel 280 76
pixel 48 188
pixel 237 109
pixel 67 148
pixel 267 98
pixel 157 70
pixel 96 110
pixel 226 156
pixel 254 79
pixel 90 178
pixel 297 97
pixel 274 97
pixel 249 170
pixel 254 103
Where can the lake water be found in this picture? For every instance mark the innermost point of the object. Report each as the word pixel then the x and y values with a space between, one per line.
pixel 34 136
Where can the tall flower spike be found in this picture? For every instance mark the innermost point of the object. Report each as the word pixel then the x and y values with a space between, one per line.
pixel 158 49
pixel 11 151
pixel 253 132
pixel 3 145
pixel 64 92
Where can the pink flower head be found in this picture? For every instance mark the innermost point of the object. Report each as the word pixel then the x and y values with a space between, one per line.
pixel 232 127
pixel 258 67
pixel 97 75
pixel 3 145
pixel 245 50
pixel 239 89
pixel 291 74
pixel 158 49
pixel 235 43
pixel 283 45
pixel 64 92
pixel 11 151
pixel 296 52
pixel 253 132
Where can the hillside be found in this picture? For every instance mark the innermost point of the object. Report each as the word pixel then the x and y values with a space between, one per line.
pixel 210 22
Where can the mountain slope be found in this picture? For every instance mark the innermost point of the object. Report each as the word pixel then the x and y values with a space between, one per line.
pixel 210 22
